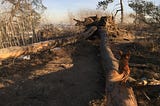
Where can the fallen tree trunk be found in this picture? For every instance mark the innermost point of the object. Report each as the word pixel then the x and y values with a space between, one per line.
pixel 13 52
pixel 116 94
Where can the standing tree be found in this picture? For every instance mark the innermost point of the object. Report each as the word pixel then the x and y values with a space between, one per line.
pixel 23 17
pixel 17 7
pixel 146 12
pixel 104 5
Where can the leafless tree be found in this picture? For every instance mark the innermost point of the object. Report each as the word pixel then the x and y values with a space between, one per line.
pixel 23 17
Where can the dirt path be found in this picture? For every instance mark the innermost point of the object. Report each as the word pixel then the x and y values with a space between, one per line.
pixel 65 77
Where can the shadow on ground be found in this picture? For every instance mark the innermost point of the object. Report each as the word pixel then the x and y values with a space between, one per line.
pixel 74 86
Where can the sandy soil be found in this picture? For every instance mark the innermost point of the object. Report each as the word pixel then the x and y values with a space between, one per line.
pixel 70 76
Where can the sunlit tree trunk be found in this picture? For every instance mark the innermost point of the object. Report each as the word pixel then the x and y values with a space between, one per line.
pixel 122 11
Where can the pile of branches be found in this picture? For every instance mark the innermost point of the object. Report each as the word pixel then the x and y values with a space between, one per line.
pixel 111 27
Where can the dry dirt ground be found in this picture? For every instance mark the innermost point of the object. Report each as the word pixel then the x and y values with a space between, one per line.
pixel 67 76
pixel 72 76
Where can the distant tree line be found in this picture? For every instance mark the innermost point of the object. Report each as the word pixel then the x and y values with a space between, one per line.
pixel 145 11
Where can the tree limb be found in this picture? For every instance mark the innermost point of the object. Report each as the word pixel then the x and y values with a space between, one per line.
pixel 15 51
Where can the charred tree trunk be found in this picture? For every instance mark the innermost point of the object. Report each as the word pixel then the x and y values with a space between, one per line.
pixel 116 94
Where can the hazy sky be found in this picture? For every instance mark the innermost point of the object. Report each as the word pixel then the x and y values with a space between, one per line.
pixel 57 9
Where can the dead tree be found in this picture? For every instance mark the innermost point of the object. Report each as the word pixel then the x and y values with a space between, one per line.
pixel 88 22
pixel 20 23
pixel 15 51
pixel 117 94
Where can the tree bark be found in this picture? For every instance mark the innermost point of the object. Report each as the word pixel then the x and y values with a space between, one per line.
pixel 116 94
pixel 122 11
